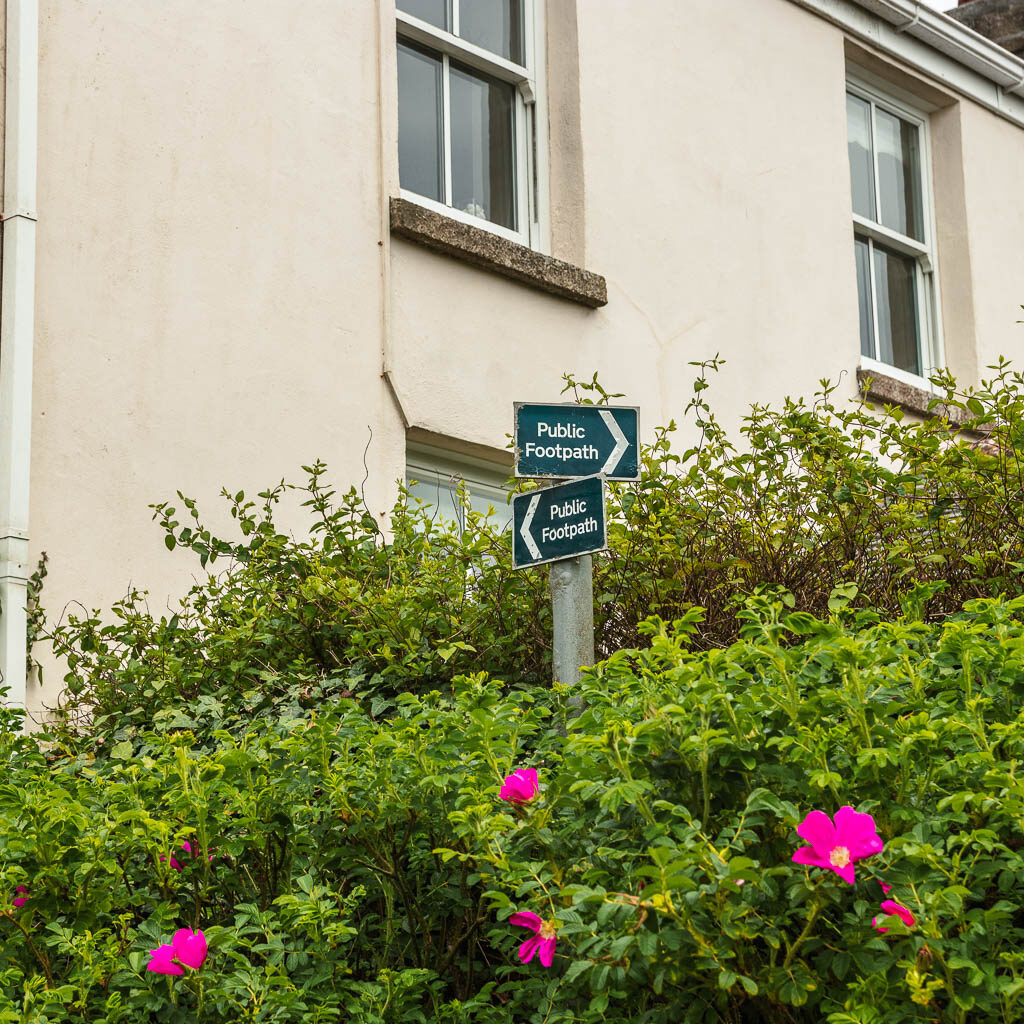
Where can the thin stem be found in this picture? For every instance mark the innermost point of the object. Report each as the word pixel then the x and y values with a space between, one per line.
pixel 802 937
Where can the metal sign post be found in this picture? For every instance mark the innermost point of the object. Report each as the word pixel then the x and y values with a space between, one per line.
pixel 566 523
pixel 572 613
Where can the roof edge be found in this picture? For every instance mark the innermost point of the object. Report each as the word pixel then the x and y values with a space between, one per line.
pixel 890 24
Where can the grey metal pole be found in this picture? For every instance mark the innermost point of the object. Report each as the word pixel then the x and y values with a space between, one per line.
pixel 572 609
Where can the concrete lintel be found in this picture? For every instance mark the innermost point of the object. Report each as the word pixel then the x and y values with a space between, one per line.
pixel 428 438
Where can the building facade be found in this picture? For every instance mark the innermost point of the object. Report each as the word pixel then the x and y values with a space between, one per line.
pixel 240 237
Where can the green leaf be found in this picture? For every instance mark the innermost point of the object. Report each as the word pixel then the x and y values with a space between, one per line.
pixel 576 968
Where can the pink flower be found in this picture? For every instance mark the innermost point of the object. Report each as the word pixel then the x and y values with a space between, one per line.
pixel 543 938
pixel 836 847
pixel 21 899
pixel 189 947
pixel 891 907
pixel 886 889
pixel 162 961
pixel 520 787
pixel 187 847
pixel 175 863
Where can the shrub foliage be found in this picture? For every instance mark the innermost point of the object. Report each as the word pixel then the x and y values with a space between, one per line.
pixel 815 617
pixel 364 868
pixel 814 497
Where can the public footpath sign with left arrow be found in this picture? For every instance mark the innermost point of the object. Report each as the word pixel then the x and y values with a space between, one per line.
pixel 577 440
pixel 558 522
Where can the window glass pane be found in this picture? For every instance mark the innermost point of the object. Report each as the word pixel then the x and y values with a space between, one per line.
pixel 862 173
pixel 896 295
pixel 437 12
pixel 899 174
pixel 867 324
pixel 436 481
pixel 420 161
pixel 496 25
pixel 440 493
pixel 483 146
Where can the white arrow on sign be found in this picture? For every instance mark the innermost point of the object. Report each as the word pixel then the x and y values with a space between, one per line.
pixel 621 444
pixel 524 530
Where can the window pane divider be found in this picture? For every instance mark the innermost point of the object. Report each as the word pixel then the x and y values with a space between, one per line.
pixel 520 140
pixel 875 340
pixel 446 128
pixel 924 315
pixel 876 192
pixel 467 53
pixel 886 236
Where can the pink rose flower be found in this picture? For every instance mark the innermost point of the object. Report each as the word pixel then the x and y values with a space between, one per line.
pixel 162 961
pixel 838 846
pixel 520 787
pixel 542 941
pixel 22 898
pixel 892 908
pixel 187 847
pixel 175 863
pixel 187 949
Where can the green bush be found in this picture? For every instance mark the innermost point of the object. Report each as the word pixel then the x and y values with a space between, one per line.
pixel 330 718
pixel 364 868
pixel 814 498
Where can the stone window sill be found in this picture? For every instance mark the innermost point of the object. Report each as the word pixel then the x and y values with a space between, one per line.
pixel 890 391
pixel 491 252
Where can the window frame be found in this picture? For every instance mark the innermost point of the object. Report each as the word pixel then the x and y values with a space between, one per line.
pixel 931 349
pixel 529 118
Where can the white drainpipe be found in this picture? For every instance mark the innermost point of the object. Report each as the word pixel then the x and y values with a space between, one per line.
pixel 17 319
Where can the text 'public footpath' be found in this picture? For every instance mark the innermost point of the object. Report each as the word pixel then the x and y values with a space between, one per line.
pixel 566 510
pixel 569 431
pixel 558 522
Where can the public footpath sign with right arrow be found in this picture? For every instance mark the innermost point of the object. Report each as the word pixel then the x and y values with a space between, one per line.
pixel 558 522
pixel 577 440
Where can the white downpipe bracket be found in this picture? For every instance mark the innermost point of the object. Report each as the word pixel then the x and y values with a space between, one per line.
pixel 17 327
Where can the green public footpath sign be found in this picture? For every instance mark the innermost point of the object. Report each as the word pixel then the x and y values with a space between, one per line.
pixel 577 440
pixel 558 522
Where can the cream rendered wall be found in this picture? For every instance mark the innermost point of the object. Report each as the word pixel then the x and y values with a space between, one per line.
pixel 209 279
pixel 717 206
pixel 993 154
pixel 717 194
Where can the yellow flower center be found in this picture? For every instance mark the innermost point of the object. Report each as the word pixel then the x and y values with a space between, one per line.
pixel 839 857
pixel 547 930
